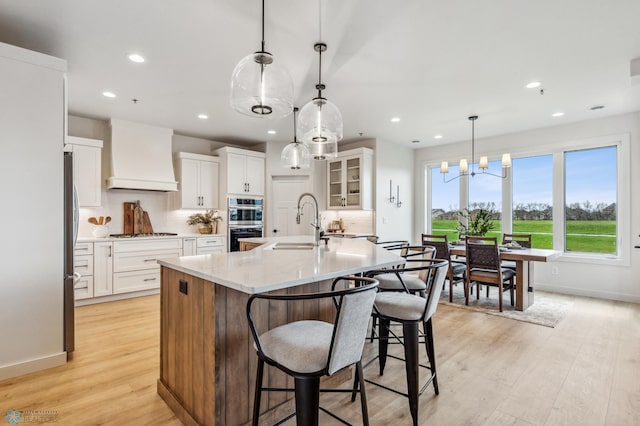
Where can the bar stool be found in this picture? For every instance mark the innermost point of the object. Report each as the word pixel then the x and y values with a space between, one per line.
pixel 309 349
pixel 410 310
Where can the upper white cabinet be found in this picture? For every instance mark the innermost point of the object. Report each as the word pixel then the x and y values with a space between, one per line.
pixel 198 180
pixel 241 171
pixel 350 181
pixel 87 170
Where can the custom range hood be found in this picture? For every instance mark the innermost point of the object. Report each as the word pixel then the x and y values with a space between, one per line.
pixel 141 157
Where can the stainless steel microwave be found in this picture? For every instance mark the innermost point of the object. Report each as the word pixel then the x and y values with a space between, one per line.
pixel 245 211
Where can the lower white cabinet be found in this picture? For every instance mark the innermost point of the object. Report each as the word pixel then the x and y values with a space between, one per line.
pixel 192 246
pixel 102 268
pixel 83 265
pixel 135 263
pixel 208 245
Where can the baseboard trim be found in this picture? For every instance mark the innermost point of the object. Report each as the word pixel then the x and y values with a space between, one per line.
pixel 26 367
pixel 114 297
pixel 588 293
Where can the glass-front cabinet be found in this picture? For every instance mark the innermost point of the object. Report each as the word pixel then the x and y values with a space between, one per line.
pixel 350 181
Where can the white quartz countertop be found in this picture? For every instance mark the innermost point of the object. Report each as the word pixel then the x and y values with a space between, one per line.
pixel 91 239
pixel 265 269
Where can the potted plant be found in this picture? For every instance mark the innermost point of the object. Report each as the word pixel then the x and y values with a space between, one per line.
pixel 476 223
pixel 208 221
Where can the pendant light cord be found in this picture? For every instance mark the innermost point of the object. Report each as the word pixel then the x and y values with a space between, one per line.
pixel 320 50
pixel 263 26
pixel 295 137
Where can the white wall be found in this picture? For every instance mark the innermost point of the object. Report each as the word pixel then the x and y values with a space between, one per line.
pixel 394 163
pixel 619 282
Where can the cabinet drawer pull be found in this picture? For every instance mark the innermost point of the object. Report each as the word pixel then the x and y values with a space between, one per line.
pixel 212 242
pixel 189 239
pixel 149 279
pixel 150 260
pixel 82 248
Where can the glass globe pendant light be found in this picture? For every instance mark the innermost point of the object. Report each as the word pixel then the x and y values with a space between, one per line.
pixel 320 120
pixel 260 87
pixel 295 155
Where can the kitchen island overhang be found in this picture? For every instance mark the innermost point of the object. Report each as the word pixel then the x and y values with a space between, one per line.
pixel 207 359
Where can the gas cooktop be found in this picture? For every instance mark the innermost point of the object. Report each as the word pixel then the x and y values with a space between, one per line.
pixel 150 234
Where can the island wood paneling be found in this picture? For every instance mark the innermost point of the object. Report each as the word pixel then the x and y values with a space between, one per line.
pixel 208 362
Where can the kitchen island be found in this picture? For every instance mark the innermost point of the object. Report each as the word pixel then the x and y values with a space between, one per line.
pixel 207 359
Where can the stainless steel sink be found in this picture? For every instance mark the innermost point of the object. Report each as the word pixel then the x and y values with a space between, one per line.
pixel 294 246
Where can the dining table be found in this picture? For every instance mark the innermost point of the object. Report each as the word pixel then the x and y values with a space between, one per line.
pixel 524 269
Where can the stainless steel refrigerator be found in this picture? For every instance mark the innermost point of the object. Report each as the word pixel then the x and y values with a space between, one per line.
pixel 71 214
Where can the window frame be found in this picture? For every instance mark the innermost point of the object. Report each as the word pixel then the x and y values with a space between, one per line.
pixel 558 150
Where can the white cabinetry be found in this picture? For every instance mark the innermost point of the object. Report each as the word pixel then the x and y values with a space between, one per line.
pixel 198 180
pixel 208 245
pixel 135 265
pixel 102 269
pixel 203 245
pixel 83 265
pixel 87 170
pixel 189 246
pixel 241 172
pixel 350 181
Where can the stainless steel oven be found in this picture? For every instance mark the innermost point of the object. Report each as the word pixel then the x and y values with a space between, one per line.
pixel 245 220
pixel 242 232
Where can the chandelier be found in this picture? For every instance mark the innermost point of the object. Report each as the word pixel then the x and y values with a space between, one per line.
pixel 295 155
pixel 483 164
pixel 260 87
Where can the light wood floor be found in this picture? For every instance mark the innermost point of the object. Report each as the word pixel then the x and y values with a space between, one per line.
pixel 492 371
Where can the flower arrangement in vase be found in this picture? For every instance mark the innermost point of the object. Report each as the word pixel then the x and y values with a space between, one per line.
pixel 208 221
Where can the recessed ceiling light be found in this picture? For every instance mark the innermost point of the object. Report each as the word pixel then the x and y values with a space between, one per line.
pixel 557 114
pixel 416 141
pixel 533 85
pixel 109 94
pixel 203 116
pixel 395 119
pixel 597 107
pixel 134 57
pixel 271 132
pixel 437 137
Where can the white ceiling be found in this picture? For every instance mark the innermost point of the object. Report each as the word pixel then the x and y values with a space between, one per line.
pixel 431 63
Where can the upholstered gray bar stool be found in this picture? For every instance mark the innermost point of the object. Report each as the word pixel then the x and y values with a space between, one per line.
pixel 395 280
pixel 309 349
pixel 410 310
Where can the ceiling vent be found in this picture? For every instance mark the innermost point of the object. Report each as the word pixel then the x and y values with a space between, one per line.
pixel 141 157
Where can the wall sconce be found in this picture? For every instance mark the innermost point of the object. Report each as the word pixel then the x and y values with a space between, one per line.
pixel 392 199
pixel 398 202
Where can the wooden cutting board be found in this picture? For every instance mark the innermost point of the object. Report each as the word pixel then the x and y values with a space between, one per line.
pixel 146 223
pixel 138 219
pixel 128 218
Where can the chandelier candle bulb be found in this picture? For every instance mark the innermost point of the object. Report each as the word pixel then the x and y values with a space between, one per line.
pixel 444 167
pixel 506 161
pixel 464 167
pixel 484 163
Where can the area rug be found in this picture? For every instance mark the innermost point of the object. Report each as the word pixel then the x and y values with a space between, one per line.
pixel 547 310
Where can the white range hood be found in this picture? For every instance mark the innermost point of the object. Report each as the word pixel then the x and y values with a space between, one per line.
pixel 141 157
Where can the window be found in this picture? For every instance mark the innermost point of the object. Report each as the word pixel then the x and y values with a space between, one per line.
pixel 485 192
pixel 571 198
pixel 591 200
pixel 533 199
pixel 445 204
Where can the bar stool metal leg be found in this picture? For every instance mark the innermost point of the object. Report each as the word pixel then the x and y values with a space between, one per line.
pixel 431 353
pixel 383 342
pixel 410 331
pixel 258 392
pixel 307 390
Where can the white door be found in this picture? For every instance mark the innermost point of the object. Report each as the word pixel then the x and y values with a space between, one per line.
pixel 285 192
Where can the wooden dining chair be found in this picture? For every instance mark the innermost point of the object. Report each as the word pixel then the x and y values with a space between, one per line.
pixel 483 267
pixel 456 270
